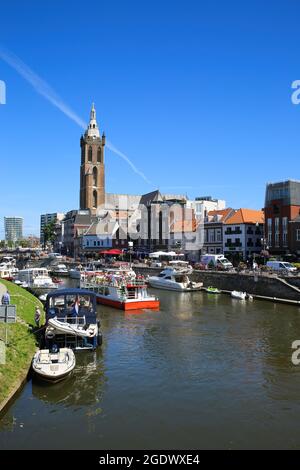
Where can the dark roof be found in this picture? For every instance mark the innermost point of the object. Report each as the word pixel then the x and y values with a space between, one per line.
pixel 71 291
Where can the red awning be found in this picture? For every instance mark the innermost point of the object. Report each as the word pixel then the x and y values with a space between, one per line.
pixel 111 252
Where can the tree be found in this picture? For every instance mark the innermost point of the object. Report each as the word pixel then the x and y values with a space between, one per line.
pixel 49 233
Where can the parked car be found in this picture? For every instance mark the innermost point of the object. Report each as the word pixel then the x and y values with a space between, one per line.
pixel 216 261
pixel 281 266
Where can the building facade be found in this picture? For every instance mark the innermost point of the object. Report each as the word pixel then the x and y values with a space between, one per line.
pixel 13 228
pixel 213 231
pixel 205 204
pixel 92 170
pixel 243 232
pixel 282 206
pixel 46 219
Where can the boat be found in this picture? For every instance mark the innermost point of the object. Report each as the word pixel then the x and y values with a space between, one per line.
pixel 59 270
pixel 71 319
pixel 8 271
pixel 77 329
pixel 75 273
pixel 53 365
pixel 119 289
pixel 173 279
pixel 213 290
pixel 238 295
pixel 57 281
pixel 36 280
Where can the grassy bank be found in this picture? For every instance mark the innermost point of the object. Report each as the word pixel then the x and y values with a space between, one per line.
pixel 21 342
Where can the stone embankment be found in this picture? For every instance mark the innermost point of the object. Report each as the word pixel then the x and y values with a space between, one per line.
pixel 272 286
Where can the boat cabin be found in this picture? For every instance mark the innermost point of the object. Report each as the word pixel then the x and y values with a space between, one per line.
pixel 76 307
pixel 69 304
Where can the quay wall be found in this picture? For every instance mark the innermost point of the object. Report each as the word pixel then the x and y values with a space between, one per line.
pixel 263 285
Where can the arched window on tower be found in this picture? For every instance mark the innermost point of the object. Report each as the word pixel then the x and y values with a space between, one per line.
pixel 95 199
pixel 99 156
pixel 90 154
pixel 95 176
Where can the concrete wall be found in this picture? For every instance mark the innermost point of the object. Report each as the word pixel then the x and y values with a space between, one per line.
pixel 257 285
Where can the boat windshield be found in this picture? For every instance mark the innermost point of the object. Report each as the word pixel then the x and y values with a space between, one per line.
pixel 70 305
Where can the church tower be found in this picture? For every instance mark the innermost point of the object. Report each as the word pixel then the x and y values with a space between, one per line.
pixel 92 173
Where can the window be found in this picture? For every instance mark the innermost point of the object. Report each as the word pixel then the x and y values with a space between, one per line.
pixel 277 239
pixel 95 199
pixel 90 154
pixel 205 235
pixel 277 224
pixel 298 235
pixel 99 156
pixel 284 224
pixel 270 238
pixel 95 176
pixel 211 235
pixel 95 243
pixel 218 235
pixel 284 238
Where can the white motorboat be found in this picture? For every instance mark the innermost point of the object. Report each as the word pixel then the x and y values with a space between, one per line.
pixel 36 280
pixel 53 365
pixel 83 330
pixel 60 270
pixel 8 271
pixel 173 279
pixel 238 295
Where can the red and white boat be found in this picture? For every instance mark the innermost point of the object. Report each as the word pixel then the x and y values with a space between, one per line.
pixel 119 290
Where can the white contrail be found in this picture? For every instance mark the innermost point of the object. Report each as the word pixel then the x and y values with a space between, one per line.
pixel 44 89
pixel 127 160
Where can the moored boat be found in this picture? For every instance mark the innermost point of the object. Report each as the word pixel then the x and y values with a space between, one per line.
pixel 172 279
pixel 238 295
pixel 213 290
pixel 53 365
pixel 36 280
pixel 119 290
pixel 71 319
pixel 59 270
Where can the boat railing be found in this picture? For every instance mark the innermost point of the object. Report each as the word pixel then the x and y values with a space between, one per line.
pixel 75 320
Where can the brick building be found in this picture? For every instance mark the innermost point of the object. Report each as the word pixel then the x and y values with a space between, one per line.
pixel 282 206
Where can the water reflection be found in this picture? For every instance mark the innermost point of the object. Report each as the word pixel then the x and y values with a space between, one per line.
pixel 83 387
pixel 204 371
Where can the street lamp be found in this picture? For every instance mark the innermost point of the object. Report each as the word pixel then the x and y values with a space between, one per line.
pixel 130 246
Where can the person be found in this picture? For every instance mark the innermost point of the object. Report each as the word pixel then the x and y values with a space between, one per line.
pixel 37 316
pixel 5 298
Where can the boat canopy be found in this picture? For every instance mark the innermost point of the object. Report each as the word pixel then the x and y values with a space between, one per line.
pixel 71 303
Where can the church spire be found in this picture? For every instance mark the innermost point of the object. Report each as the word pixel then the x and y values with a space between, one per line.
pixel 93 130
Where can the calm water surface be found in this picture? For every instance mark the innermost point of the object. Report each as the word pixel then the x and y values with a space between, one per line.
pixel 203 372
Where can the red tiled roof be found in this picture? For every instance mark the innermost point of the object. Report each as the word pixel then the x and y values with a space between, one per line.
pixel 246 216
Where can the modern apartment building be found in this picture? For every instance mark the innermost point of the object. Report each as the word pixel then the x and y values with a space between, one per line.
pixel 13 228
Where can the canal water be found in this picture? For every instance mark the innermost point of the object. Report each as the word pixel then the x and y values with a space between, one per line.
pixel 204 372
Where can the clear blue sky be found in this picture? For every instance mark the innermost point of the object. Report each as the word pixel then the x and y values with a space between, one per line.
pixel 196 94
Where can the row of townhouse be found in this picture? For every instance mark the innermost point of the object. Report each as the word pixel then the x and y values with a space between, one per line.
pixel 236 233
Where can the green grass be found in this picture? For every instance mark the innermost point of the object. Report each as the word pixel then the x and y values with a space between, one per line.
pixel 21 342
pixel 24 301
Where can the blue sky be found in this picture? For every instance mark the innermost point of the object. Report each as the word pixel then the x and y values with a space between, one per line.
pixel 197 95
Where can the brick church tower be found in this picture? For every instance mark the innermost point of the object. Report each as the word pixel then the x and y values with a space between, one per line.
pixel 92 173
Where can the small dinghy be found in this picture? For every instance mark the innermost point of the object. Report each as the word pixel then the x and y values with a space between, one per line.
pixel 53 365
pixel 213 290
pixel 238 295
pixel 88 331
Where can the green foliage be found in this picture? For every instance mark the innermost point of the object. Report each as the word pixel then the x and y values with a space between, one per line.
pixel 21 342
pixel 49 232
